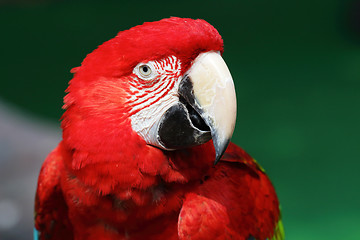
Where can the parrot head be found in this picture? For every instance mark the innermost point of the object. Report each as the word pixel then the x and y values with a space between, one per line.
pixel 165 80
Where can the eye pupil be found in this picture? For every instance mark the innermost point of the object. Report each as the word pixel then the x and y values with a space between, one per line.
pixel 145 69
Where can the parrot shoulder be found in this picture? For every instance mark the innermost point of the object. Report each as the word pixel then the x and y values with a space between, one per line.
pixel 237 201
pixel 51 219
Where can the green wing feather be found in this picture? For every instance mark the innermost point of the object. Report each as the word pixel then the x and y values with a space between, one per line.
pixel 279 233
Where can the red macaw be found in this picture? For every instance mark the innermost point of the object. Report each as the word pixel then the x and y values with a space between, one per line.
pixel 147 113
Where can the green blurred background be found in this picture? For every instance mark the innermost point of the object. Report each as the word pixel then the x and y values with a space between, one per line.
pixel 296 67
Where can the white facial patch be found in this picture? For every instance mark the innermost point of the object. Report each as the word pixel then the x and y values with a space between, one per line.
pixel 152 97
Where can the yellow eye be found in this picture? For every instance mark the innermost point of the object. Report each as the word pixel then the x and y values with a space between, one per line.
pixel 145 71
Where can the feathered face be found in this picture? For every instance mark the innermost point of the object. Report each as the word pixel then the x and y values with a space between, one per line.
pixel 167 79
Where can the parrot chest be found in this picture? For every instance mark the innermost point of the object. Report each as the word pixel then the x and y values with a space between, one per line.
pixel 152 212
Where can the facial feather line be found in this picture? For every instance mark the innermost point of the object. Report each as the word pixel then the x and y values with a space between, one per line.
pixel 147 101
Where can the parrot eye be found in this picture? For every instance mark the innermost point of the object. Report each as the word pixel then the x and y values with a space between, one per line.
pixel 145 71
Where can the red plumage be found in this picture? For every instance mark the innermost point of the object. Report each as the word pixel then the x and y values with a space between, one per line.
pixel 104 182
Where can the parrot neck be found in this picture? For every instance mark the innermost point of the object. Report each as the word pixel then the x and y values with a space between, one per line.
pixel 139 180
pixel 109 161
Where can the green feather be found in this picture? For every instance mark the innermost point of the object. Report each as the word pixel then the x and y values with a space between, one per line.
pixel 279 233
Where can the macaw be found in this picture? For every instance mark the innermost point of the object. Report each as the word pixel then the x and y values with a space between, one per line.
pixel 146 151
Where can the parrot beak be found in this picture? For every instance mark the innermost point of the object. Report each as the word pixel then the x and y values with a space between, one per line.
pixel 209 89
pixel 207 107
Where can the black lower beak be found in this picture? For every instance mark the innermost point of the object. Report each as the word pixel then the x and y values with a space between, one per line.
pixel 182 127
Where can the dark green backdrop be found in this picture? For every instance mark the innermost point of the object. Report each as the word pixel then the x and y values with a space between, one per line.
pixel 296 67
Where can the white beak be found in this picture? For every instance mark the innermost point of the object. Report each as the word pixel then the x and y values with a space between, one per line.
pixel 215 98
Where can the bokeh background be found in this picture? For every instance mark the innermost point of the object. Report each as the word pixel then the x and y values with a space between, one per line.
pixel 296 66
